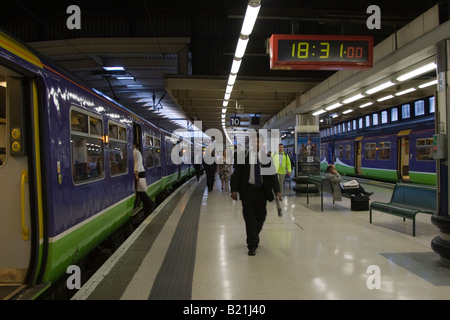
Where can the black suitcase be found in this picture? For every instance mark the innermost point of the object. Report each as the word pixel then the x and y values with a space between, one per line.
pixel 359 203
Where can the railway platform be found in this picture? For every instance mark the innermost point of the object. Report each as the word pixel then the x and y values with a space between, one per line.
pixel 193 248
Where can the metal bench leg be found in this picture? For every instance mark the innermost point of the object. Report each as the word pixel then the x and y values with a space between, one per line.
pixel 370 215
pixel 414 227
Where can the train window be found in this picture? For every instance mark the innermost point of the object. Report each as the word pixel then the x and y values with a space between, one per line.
pixel 349 126
pixel 431 105
pixel 384 149
pixel 348 149
pixel 384 117
pixel 354 125
pixel 375 119
pixel 367 121
pixel 150 162
pixel 419 108
pixel 394 114
pixel 78 121
pixel 361 123
pixel 371 150
pixel 406 113
pixel 118 149
pixel 157 157
pixel 3 123
pixel 424 149
pixel 95 126
pixel 113 130
pixel 86 142
pixel 148 140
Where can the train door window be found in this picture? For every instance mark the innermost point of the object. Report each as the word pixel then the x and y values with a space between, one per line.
pixel 375 119
pixel 118 151
pixel 367 121
pixel 86 141
pixel 431 105
pixel 348 149
pixel 394 114
pixel 157 152
pixel 384 149
pixel 406 112
pixel 384 117
pixel 148 150
pixel 2 121
pixel 371 150
pixel 419 108
pixel 340 152
pixel 424 149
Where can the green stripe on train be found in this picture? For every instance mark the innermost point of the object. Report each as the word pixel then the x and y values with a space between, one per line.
pixel 63 252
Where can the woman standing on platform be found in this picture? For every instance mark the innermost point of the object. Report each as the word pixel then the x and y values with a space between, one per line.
pixel 224 170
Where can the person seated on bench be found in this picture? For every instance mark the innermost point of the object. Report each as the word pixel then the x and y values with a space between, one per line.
pixel 335 178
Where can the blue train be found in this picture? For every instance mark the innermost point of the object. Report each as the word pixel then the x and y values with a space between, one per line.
pixel 391 145
pixel 66 168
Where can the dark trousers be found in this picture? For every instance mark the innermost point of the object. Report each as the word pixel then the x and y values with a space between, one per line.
pixel 210 175
pixel 255 212
pixel 198 172
pixel 143 196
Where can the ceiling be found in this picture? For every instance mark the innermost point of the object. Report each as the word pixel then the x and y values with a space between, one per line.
pixel 179 53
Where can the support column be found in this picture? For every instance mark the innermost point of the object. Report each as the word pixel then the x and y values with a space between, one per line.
pixel 441 243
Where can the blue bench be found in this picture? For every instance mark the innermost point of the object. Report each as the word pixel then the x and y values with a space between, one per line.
pixel 408 200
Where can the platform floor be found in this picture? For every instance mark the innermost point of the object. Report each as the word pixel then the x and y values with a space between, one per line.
pixel 193 247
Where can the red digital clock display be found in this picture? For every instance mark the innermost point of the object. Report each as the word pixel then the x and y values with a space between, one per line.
pixel 308 52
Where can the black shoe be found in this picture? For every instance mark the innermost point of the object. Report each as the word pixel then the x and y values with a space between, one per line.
pixel 252 252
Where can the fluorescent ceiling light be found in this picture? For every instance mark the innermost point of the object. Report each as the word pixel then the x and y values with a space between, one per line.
pixel 236 65
pixel 225 103
pixel 249 19
pixel 418 71
pixel 405 91
pixel 3 84
pixel 134 85
pixel 334 115
pixel 347 111
pixel 227 96
pixel 428 84
pixel 354 98
pixel 240 48
pixel 380 87
pixel 232 79
pixel 223 115
pixel 125 78
pixel 224 110
pixel 318 112
pixel 366 105
pixel 114 68
pixel 333 106
pixel 229 89
pixel 385 98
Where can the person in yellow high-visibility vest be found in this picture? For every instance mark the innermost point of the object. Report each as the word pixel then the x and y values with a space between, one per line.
pixel 282 164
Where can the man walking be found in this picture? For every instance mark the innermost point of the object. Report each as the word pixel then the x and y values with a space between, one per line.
pixel 282 164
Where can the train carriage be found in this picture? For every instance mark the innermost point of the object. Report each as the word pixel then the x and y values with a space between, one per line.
pixel 392 151
pixel 66 152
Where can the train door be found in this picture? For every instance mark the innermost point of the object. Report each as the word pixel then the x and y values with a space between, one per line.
pixel 15 179
pixel 358 155
pixel 403 158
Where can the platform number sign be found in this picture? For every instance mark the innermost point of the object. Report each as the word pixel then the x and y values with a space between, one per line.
pixel 235 121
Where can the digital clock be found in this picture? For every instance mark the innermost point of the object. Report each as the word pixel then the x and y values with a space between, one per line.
pixel 311 52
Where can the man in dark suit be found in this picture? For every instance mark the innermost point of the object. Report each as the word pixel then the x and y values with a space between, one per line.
pixel 254 189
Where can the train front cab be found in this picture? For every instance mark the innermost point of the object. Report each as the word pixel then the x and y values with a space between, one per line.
pixel 21 207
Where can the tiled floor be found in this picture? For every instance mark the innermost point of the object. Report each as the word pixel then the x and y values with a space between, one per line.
pixel 305 254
